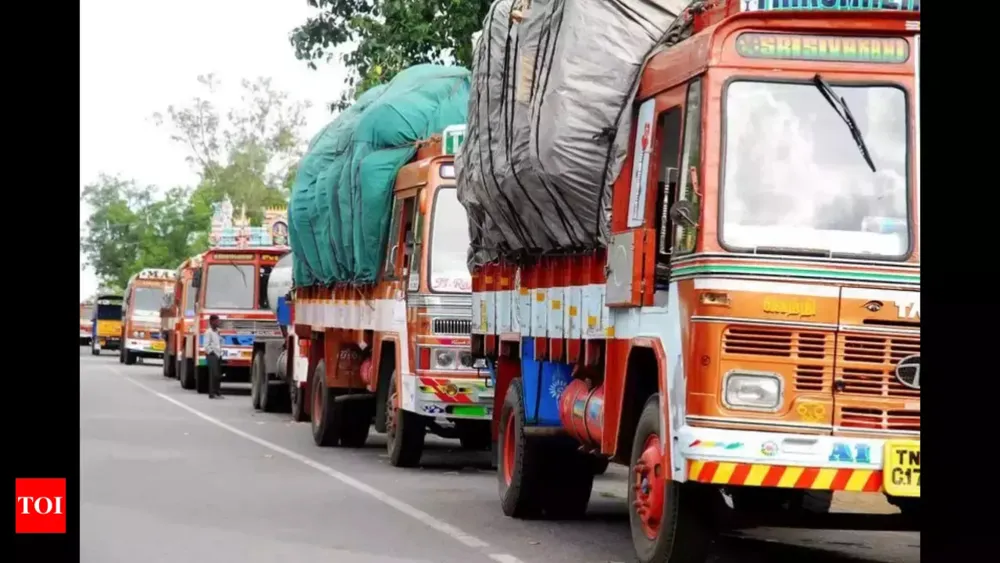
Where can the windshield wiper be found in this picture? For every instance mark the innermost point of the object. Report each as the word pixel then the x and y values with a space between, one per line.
pixel 793 250
pixel 839 105
pixel 242 275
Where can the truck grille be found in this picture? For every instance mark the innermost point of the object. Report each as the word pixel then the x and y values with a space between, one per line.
pixel 243 326
pixel 866 418
pixel 866 364
pixel 453 326
pixel 809 349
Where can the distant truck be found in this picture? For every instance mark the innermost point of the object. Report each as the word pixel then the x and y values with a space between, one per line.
pixel 86 332
pixel 228 280
pixel 141 331
pixel 106 323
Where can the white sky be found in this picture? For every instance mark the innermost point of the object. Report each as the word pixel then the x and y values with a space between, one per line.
pixel 137 58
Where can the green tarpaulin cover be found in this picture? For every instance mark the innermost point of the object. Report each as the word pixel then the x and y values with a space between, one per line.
pixel 338 215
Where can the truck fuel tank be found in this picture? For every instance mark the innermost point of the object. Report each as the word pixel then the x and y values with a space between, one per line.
pixel 279 284
pixel 581 411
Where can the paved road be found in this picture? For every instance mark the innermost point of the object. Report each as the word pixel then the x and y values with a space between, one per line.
pixel 171 477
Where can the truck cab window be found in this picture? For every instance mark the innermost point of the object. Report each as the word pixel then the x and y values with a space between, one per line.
pixel 669 154
pixel 264 276
pixel 392 245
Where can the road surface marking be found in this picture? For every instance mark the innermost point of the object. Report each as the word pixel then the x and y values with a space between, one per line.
pixel 447 529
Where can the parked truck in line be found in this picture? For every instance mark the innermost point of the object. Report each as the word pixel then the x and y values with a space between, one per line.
pixel 395 352
pixel 228 280
pixel 749 337
pixel 141 335
pixel 86 312
pixel 106 322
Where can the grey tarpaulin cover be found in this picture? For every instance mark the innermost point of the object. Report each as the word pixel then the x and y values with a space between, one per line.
pixel 549 112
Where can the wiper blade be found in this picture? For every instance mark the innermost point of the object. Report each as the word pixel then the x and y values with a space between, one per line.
pixel 793 250
pixel 242 275
pixel 839 105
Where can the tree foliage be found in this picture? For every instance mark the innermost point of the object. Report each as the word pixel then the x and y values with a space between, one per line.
pixel 387 36
pixel 247 153
pixel 130 228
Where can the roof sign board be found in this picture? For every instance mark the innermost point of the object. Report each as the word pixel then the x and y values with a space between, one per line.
pixel 828 5
pixel 156 274
pixel 832 48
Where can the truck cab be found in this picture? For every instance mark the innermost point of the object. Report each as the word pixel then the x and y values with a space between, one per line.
pixel 106 323
pixel 141 323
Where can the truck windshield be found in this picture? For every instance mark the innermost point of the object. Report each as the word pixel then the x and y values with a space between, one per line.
pixel 230 286
pixel 449 244
pixel 109 312
pixel 795 180
pixel 147 299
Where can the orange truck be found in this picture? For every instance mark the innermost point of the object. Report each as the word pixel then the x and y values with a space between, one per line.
pixel 724 354
pixel 142 336
pixel 228 280
pixel 396 352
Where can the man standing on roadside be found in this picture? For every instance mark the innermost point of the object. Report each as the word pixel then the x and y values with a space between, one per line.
pixel 213 351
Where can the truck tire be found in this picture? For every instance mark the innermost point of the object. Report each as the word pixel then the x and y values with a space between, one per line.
pixel 357 418
pixel 94 350
pixel 273 398
pixel 201 381
pixel 185 372
pixel 474 434
pixel 404 431
pixel 600 465
pixel 568 480
pixel 121 355
pixel 325 426
pixel 297 397
pixel 256 388
pixel 129 357
pixel 519 460
pixel 670 521
pixel 169 367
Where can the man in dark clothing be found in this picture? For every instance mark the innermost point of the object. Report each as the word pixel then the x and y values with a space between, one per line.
pixel 213 351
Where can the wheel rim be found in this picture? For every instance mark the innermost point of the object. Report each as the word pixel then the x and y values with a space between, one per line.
pixel 649 484
pixel 508 449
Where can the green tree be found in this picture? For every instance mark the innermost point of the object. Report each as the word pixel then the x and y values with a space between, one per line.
pixel 387 36
pixel 248 153
pixel 130 229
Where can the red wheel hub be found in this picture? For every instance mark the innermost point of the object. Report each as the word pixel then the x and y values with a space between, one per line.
pixel 649 483
pixel 508 449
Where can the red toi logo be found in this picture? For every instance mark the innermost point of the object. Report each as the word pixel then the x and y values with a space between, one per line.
pixel 40 506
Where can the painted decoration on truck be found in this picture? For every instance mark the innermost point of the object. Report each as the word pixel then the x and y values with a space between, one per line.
pixel 830 48
pixel 228 231
pixel 831 5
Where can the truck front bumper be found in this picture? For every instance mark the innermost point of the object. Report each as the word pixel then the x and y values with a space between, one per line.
pixel 448 396
pixel 145 347
pixel 800 461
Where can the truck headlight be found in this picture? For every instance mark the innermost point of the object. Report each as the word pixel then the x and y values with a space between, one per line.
pixel 445 359
pixel 138 334
pixel 752 390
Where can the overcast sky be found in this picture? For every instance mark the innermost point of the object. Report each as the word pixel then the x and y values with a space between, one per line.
pixel 137 58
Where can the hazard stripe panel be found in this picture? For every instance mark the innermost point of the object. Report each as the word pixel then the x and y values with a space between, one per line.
pixel 785 476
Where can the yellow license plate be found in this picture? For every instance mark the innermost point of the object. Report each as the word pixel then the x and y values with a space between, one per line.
pixel 158 346
pixel 901 470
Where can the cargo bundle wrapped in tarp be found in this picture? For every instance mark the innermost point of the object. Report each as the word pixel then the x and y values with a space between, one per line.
pixel 338 215
pixel 549 113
